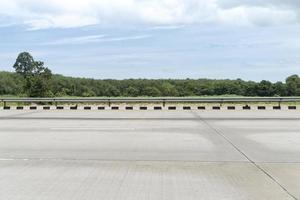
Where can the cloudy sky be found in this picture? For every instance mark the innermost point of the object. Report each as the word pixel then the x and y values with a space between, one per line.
pixel 249 39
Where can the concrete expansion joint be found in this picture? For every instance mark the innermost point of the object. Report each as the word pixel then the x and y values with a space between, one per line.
pixel 256 165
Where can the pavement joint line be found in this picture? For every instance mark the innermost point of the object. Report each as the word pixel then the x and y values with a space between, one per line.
pixel 91 128
pixel 119 160
pixel 19 117
pixel 21 114
pixel 246 156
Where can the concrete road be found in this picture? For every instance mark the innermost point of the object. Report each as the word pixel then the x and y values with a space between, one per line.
pixel 159 155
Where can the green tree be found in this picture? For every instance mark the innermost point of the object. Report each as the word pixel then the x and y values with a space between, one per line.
pixel 131 92
pixel 37 77
pixel 11 84
pixel 293 85
pixel 168 89
pixel 111 91
pixel 264 88
pixel 152 92
pixel 280 89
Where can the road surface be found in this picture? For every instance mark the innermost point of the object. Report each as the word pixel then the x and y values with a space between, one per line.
pixel 153 155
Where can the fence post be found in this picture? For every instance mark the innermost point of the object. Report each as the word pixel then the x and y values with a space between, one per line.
pixel 279 103
pixel 55 102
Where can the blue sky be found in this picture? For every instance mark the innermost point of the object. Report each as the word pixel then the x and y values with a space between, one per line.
pixel 121 39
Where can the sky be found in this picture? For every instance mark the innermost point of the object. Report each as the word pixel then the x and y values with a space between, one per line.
pixel 121 39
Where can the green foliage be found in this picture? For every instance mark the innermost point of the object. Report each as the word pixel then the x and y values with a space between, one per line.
pixel 11 84
pixel 168 89
pixel 37 78
pixel 152 91
pixel 61 86
pixel 293 85
pixel 265 88
pixel 132 92
pixel 25 64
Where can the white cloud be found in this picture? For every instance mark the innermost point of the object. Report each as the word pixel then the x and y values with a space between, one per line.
pixel 116 39
pixel 75 13
pixel 76 40
pixel 93 39
pixel 169 27
pixel 257 15
pixel 60 21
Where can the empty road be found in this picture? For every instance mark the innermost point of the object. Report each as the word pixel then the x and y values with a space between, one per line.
pixel 151 155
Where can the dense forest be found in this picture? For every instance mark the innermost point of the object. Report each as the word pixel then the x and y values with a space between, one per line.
pixel 34 80
pixel 13 84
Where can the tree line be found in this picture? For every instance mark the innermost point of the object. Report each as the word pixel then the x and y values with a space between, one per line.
pixel 34 80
